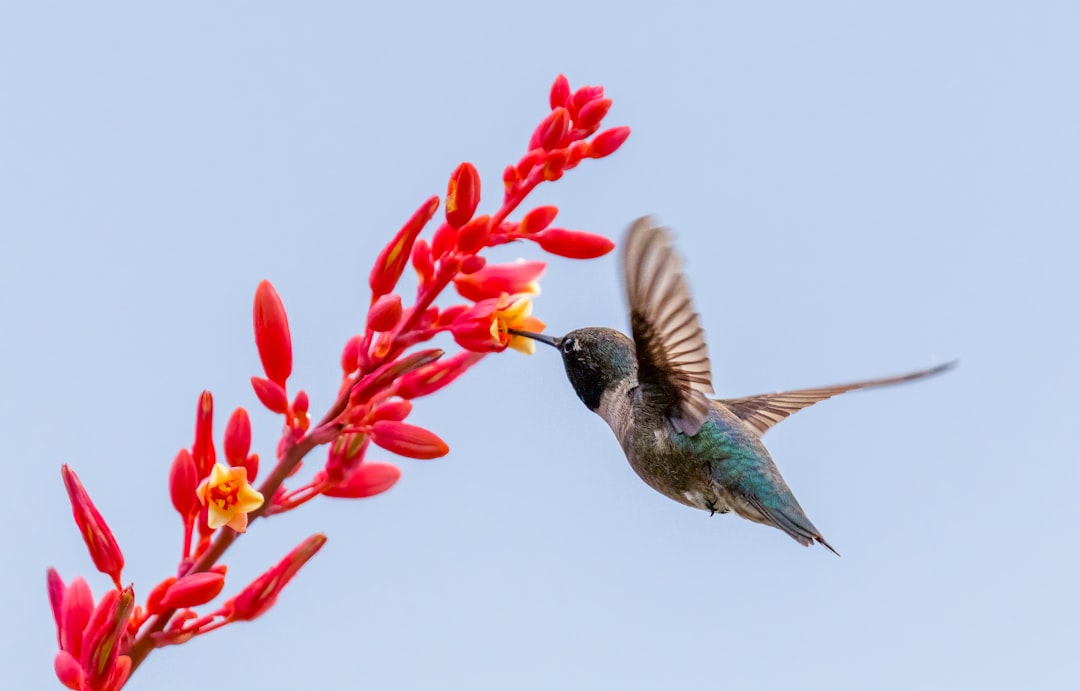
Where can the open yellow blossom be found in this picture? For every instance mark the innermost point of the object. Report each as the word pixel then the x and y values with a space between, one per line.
pixel 228 497
pixel 516 315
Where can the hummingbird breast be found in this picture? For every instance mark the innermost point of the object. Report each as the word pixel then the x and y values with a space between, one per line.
pixel 681 468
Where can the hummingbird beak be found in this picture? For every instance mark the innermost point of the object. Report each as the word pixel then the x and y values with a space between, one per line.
pixel 543 338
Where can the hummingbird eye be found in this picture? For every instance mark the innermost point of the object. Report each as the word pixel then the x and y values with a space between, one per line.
pixel 568 344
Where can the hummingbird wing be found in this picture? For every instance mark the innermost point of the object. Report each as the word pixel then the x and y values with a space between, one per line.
pixel 673 359
pixel 763 411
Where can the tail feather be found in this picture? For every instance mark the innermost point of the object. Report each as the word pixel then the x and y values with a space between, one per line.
pixel 793 522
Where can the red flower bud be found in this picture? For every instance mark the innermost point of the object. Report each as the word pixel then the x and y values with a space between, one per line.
pixel 472 264
pixel 183 479
pixel 472 236
pixel 68 670
pixel 408 440
pixel 367 480
pixel 350 354
pixel 393 409
pixel 382 377
pixel 104 635
pixel 385 313
pixel 583 96
pixel 555 164
pixel 537 219
pixel 462 195
pixel 551 131
pixel 237 437
pixel 261 594
pixel 252 466
pixel 300 419
pixel 510 177
pixel 443 241
pixel 193 590
pixel 528 162
pixel 574 244
pixel 423 262
pixel 270 395
pixel 272 336
pixel 560 92
pixel 393 258
pixel 202 449
pixel 72 607
pixel 495 279
pixel 153 600
pixel 576 152
pixel 591 114
pixel 608 141
pixel 429 379
pixel 95 532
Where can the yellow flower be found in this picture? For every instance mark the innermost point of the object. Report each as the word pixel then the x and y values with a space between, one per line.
pixel 228 497
pixel 515 313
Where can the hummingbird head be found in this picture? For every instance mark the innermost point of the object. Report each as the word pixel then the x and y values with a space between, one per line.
pixel 596 359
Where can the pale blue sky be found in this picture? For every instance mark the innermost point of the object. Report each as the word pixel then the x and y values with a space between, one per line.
pixel 858 191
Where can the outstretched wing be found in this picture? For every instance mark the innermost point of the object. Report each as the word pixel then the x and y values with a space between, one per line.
pixel 673 360
pixel 765 410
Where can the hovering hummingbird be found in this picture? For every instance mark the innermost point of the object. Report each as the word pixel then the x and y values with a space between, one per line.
pixel 652 392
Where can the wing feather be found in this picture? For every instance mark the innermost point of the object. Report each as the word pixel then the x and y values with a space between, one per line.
pixel 673 359
pixel 764 411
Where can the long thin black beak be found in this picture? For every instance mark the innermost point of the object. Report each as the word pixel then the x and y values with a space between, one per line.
pixel 543 338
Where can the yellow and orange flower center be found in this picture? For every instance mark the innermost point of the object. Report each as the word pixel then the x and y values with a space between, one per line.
pixel 228 497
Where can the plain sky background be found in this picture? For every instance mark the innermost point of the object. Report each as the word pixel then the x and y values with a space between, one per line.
pixel 857 191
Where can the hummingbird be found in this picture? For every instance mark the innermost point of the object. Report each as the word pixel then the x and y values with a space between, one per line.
pixel 653 391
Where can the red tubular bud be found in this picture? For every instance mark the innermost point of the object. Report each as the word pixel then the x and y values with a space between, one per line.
pixel 443 241
pixel 560 92
pixel 270 395
pixel 183 479
pixel 396 409
pixel 428 380
pixel 261 594
pixel 582 97
pixel 576 152
pixel 423 262
pixel 153 600
pixel 608 142
pixel 537 219
pixel 385 313
pixel 68 671
pixel 386 374
pixel 510 177
pixel 99 539
pixel 367 480
pixel 237 437
pixel 591 114
pixel 552 130
pixel 472 264
pixel 574 244
pixel 392 259
pixel 472 236
pixel 495 279
pixel 350 354
pixel 104 636
pixel 252 466
pixel 202 450
pixel 193 590
pixel 272 336
pixel 300 419
pixel 462 195
pixel 408 440
pixel 555 164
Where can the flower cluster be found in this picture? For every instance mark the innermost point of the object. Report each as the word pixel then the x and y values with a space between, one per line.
pixel 384 369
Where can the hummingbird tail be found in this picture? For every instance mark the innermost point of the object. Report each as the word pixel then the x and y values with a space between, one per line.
pixel 793 522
